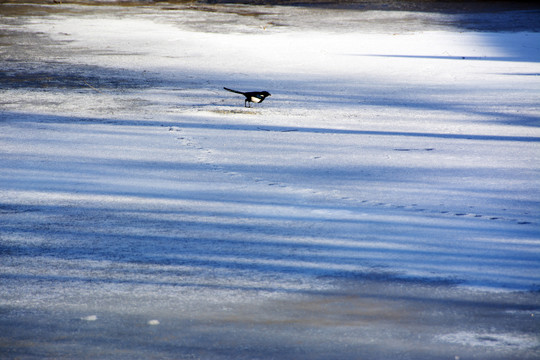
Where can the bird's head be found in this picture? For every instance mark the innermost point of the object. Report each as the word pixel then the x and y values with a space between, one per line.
pixel 266 93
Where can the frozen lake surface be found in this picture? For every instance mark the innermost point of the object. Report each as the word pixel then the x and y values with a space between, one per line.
pixel 383 203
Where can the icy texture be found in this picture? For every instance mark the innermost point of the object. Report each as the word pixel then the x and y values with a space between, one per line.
pixel 391 176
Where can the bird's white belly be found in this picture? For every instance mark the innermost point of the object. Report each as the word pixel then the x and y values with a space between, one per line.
pixel 255 99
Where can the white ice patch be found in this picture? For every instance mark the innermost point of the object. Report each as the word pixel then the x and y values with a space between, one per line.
pixel 89 318
pixel 500 341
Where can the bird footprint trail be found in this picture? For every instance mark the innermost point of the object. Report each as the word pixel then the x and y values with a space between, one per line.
pixel 206 156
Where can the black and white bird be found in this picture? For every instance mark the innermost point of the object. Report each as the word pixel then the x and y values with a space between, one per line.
pixel 251 96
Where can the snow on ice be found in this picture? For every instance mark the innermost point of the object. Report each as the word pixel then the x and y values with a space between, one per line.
pixel 387 193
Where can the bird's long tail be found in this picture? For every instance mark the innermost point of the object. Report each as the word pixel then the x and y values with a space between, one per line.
pixel 234 91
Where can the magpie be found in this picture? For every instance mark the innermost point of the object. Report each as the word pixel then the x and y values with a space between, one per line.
pixel 251 96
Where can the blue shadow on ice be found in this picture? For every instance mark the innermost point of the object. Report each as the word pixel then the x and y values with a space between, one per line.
pixel 55 119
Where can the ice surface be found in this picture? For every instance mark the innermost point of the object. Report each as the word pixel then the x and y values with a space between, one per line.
pixel 388 191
